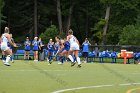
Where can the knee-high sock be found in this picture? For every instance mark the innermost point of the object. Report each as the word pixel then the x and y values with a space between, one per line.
pixel 3 58
pixel 62 60
pixel 7 59
pixel 78 60
pixel 71 58
pixel 50 58
pixel 11 59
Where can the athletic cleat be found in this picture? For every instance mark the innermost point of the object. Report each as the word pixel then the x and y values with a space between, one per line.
pixel 72 64
pixel 6 64
pixel 3 61
pixel 50 62
pixel 12 61
pixel 60 63
pixel 79 66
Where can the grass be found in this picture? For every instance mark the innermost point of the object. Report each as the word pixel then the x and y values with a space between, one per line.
pixel 39 77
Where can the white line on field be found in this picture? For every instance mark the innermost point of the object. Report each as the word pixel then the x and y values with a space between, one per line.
pixel 135 73
pixel 41 70
pixel 97 86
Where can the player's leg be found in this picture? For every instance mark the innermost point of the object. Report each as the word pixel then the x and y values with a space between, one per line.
pixel 11 58
pixel 70 56
pixel 36 55
pixel 25 55
pixel 50 56
pixel 62 56
pixel 3 57
pixel 77 57
pixel 8 53
pixel 28 53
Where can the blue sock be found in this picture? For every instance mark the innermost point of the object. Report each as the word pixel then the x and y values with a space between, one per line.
pixel 49 57
pixel 3 57
pixel 62 59
pixel 11 58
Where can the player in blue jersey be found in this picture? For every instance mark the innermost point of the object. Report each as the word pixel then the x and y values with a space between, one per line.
pixel 27 44
pixel 50 47
pixel 64 51
pixel 35 48
pixel 56 45
pixel 85 49
pixel 10 46
pixel 5 39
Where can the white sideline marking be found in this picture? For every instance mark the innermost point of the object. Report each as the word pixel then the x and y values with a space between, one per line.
pixel 59 91
pixel 135 73
pixel 41 70
pixel 128 84
pixel 97 86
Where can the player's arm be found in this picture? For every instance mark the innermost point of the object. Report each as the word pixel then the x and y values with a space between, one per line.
pixel 29 43
pixel 33 43
pixel 9 40
pixel 77 41
pixel 68 37
pixel 62 46
pixel 89 43
pixel 48 46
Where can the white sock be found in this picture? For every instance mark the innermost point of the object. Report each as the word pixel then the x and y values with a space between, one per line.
pixel 71 58
pixel 7 59
pixel 78 60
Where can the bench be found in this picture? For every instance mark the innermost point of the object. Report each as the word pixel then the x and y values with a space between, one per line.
pixel 21 53
pixel 112 56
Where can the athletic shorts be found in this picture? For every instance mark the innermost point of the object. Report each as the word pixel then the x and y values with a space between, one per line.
pixel 74 46
pixel 35 48
pixel 4 46
pixel 27 48
pixel 50 51
pixel 64 50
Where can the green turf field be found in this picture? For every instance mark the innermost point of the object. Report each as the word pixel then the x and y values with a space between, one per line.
pixel 39 77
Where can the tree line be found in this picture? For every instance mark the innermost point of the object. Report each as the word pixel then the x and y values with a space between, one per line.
pixel 101 21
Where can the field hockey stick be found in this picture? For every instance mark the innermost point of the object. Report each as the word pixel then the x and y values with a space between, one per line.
pixel 56 54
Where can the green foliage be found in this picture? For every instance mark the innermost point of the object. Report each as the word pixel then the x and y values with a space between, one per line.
pixel 130 35
pixel 100 24
pixel 1 7
pixel 98 30
pixel 49 33
pixel 113 34
pixel 85 21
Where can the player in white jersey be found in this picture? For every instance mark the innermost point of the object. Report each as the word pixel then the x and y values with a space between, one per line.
pixel 74 48
pixel 5 39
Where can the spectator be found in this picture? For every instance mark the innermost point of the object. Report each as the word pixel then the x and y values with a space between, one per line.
pixel 35 48
pixel 27 44
pixel 85 49
pixel 40 49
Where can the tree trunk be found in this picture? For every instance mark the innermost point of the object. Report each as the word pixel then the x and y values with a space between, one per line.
pixel 59 16
pixel 106 25
pixel 69 18
pixel 31 33
pixel 1 6
pixel 35 18
pixel 87 23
